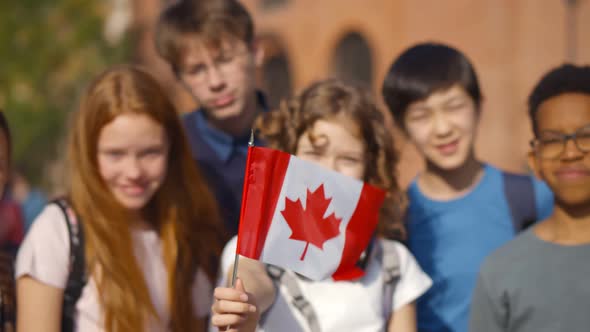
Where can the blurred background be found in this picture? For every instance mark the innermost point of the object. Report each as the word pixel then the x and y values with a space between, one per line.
pixel 51 48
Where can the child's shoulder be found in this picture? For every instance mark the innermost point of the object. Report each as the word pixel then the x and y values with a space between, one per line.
pixel 413 280
pixel 51 219
pixel 393 246
pixel 511 255
pixel 44 254
pixel 401 254
pixel 508 175
pixel 521 182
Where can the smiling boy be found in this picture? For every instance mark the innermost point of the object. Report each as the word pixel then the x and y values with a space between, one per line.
pixel 538 281
pixel 461 209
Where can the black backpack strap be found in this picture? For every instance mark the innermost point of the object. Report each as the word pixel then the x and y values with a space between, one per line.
pixel 77 266
pixel 390 267
pixel 520 195
pixel 280 277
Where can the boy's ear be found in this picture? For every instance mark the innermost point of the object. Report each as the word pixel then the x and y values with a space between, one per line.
pixel 258 52
pixel 532 160
pixel 478 114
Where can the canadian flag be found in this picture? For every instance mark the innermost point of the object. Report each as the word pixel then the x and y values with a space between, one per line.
pixel 303 217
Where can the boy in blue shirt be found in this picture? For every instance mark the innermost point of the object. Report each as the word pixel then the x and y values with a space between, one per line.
pixel 461 209
pixel 211 49
pixel 538 281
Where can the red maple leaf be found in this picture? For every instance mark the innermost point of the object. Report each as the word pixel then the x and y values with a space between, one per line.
pixel 309 224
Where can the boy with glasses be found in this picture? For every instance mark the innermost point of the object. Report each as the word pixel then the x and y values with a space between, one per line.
pixel 538 281
pixel 210 46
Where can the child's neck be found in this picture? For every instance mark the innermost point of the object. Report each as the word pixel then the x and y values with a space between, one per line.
pixel 138 221
pixel 569 225
pixel 442 184
pixel 142 225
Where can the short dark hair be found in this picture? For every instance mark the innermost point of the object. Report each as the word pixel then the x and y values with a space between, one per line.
pixel 423 69
pixel 566 78
pixel 210 20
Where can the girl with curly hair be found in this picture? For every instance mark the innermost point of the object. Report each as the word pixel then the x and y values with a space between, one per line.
pixel 339 127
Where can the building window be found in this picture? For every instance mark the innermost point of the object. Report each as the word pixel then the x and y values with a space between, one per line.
pixel 353 61
pixel 276 70
pixel 277 80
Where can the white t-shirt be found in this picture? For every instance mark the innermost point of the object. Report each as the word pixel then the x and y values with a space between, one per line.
pixel 342 305
pixel 45 253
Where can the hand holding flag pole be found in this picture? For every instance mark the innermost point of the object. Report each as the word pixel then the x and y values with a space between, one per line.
pixel 237 257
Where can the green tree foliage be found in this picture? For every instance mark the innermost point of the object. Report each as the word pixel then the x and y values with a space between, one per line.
pixel 49 50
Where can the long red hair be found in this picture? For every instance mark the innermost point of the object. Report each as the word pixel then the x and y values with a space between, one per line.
pixel 182 211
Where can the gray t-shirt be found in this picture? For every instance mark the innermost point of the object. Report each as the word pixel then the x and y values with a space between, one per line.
pixel 530 285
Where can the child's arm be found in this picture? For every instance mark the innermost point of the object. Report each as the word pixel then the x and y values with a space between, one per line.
pixel 403 319
pixel 41 271
pixel 38 306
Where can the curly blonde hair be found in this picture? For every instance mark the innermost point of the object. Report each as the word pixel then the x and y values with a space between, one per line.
pixel 332 98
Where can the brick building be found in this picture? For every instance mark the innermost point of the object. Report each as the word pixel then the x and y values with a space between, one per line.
pixel 511 42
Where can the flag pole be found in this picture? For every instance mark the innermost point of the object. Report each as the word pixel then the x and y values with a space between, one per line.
pixel 237 257
pixel 234 275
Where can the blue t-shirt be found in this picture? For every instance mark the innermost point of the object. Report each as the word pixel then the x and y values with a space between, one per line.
pixel 450 239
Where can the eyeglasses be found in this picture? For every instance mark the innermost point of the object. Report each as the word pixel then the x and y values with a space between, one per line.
pixel 226 62
pixel 551 145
